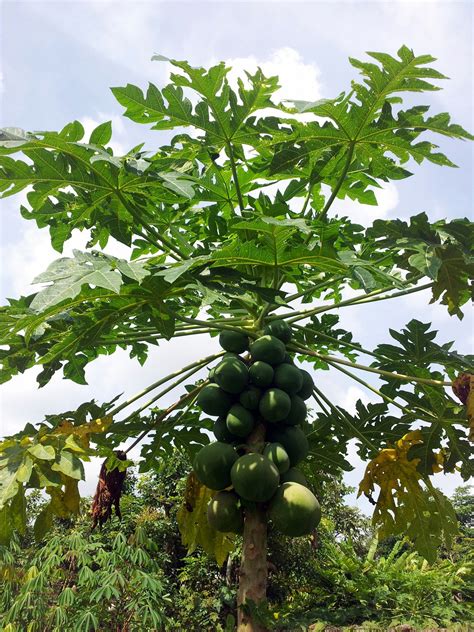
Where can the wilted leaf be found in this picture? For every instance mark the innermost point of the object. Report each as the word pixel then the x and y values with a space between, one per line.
pixel 194 527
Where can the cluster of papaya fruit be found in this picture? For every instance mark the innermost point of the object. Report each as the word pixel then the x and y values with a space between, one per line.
pixel 267 390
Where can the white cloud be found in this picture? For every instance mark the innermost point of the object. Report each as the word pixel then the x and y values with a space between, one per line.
pixel 119 131
pixel 365 214
pixel 298 80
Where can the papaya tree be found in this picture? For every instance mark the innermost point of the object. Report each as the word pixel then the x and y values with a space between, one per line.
pixel 232 233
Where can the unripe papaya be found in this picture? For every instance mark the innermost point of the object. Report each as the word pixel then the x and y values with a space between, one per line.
pixel 294 510
pixel 231 376
pixel 250 397
pixel 274 405
pixel 213 463
pixel 224 513
pixel 278 455
pixel 261 374
pixel 297 412
pixel 280 329
pixel 240 421
pixel 233 341
pixel 221 432
pixel 255 477
pixel 268 349
pixel 307 387
pixel 293 439
pixel 214 401
pixel 288 378
pixel 294 475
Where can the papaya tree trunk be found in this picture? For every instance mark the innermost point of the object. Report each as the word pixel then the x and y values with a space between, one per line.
pixel 253 565
pixel 253 568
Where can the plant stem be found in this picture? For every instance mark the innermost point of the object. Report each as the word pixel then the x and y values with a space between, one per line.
pixel 213 325
pixel 253 567
pixel 340 182
pixel 388 399
pixel 362 367
pixel 163 380
pixel 152 337
pixel 356 300
pixel 235 177
pixel 340 342
pixel 346 421
pixel 165 414
pixel 166 390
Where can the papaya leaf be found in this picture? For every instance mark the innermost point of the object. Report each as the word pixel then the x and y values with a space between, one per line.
pixel 43 523
pixel 407 503
pixel 102 134
pixel 43 452
pixel 194 527
pixel 69 465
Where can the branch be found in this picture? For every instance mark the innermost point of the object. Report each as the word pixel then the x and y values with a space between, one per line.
pixel 340 182
pixel 342 416
pixel 163 380
pixel 213 325
pixel 340 342
pixel 388 399
pixel 397 376
pixel 151 337
pixel 356 300
pixel 234 176
pixel 165 413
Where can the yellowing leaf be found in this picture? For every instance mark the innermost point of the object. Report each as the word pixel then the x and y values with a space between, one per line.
pixel 407 502
pixel 82 433
pixel 194 527
pixel 71 497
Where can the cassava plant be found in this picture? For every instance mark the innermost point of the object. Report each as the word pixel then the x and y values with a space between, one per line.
pixel 231 231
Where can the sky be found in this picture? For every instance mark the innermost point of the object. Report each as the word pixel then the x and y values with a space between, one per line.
pixel 58 61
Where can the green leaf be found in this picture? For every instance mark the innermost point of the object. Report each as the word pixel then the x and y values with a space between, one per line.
pixel 6 525
pixel 102 134
pixel 69 465
pixel 43 523
pixel 43 452
pixel 454 278
pixel 177 183
pixel 18 511
pixel 8 483
pixel 24 471
pixel 67 276
pixel 194 526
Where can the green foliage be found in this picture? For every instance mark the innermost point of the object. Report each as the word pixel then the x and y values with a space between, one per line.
pixel 335 586
pixel 78 581
pixel 208 241
pixel 138 570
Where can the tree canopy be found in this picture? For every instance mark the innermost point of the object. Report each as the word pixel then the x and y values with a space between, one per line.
pixel 229 226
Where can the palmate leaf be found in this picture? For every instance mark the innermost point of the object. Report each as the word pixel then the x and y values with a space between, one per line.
pixel 83 186
pixel 407 503
pixel 443 251
pixel 220 114
pixel 363 128
pixel 48 458
pixel 417 352
pixel 193 524
pixel 67 276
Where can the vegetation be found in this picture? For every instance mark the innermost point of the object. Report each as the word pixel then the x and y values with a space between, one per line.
pixel 135 575
pixel 231 231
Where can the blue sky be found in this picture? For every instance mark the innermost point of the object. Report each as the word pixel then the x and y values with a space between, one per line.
pixel 58 60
